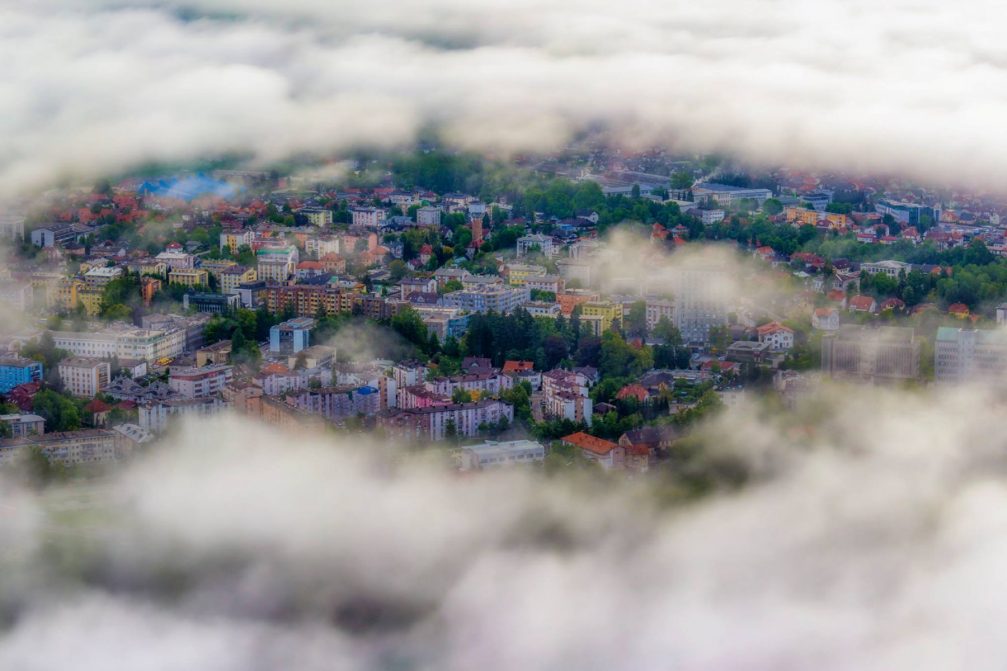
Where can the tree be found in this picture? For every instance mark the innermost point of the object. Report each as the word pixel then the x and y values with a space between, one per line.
pixel 460 395
pixel 636 319
pixel 409 325
pixel 681 180
pixel 668 332
pixel 772 206
pixel 59 412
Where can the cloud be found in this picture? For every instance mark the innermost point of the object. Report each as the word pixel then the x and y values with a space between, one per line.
pixel 913 88
pixel 869 536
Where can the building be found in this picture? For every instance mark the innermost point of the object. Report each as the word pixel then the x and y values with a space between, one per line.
pixel 84 377
pixel 600 316
pixel 314 216
pixel 124 343
pixel 217 353
pixel 234 240
pixel 22 425
pixel 428 216
pixel 53 234
pixel 890 268
pixel 490 298
pixel 565 396
pixel 291 336
pixel 518 274
pixel 16 370
pixel 338 404
pixel 155 415
pixel 216 304
pixel 885 354
pixel 276 264
pixel 825 319
pixel 603 452
pixel 699 305
pixel 779 337
pixel 443 322
pixel 911 214
pixel 438 422
pixel 493 454
pixel 193 382
pixel 233 277
pixel 970 355
pixel 726 194
pixel 191 277
pixel 69 448
pixel 535 242
pixel 98 277
pixel 367 217
pixel 177 260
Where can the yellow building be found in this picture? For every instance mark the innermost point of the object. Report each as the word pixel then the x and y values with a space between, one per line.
pixel 518 273
pixel 67 293
pixel 153 267
pixel 600 314
pixel 90 298
pixel 195 277
pixel 801 216
pixel 235 275
pixel 216 266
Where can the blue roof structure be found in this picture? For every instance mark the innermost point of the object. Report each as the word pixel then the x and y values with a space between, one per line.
pixel 188 188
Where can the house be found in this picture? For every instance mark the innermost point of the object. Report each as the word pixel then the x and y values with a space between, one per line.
pixel 645 444
pixel 779 337
pixel 959 310
pixel 603 452
pixel 825 319
pixel 863 304
pixel 634 391
pixel 893 304
pixel 492 454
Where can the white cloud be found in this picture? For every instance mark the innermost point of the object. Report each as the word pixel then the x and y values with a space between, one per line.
pixel 915 88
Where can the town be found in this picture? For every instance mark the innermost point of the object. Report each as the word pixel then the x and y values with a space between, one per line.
pixel 565 313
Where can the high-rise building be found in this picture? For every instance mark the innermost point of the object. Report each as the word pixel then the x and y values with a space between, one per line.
pixel 969 355
pixel 885 354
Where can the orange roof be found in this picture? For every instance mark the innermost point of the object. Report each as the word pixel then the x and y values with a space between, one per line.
pixel 861 302
pixel 97 405
pixel 274 369
pixel 518 366
pixel 773 327
pixel 588 442
pixel 958 309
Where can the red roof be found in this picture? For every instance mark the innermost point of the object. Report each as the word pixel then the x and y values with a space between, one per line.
pixel 773 327
pixel 861 302
pixel 97 406
pixel 590 443
pixel 959 309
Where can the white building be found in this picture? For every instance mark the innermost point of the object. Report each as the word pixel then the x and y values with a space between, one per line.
pixel 528 243
pixel 191 382
pixel 779 337
pixel 428 216
pixel 494 297
pixel 175 260
pixel 969 355
pixel 890 268
pixel 84 377
pixel 154 416
pixel 492 454
pixel 368 217
pixel 124 343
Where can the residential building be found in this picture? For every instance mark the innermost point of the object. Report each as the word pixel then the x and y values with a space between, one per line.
pixel 438 422
pixel 192 382
pixel 890 268
pixel 22 425
pixel 565 396
pixel 367 217
pixel 492 298
pixel 535 242
pixel 155 415
pixel 233 277
pixel 84 377
pixel 276 264
pixel 428 216
pixel 126 343
pixel 177 260
pixel 518 274
pixel 825 319
pixel 699 305
pixel 339 403
pixel 658 309
pixel 443 322
pixel 69 448
pixel 600 316
pixel 779 337
pixel 53 234
pixel 194 277
pixel 970 355
pixel 98 277
pixel 315 216
pixel 884 354
pixel 603 452
pixel 16 370
pixel 234 240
